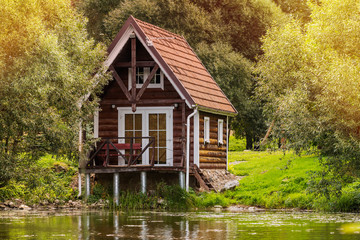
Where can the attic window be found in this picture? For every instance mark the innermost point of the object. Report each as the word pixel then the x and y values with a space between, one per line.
pixel 141 75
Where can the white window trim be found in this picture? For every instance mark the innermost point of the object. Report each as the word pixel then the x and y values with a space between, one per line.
pixel 220 131
pixel 206 130
pixel 146 74
pixel 145 111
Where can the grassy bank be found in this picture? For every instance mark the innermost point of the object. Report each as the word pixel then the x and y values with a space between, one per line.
pixel 277 179
pixel 272 179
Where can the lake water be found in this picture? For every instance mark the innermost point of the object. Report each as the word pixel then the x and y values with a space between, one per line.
pixel 178 225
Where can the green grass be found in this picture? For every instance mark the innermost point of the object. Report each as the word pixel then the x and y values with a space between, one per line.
pixel 272 179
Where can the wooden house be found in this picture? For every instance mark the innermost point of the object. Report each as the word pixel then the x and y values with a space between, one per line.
pixel 162 112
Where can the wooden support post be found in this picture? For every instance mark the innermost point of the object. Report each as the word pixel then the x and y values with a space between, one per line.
pixel 116 188
pixel 182 180
pixel 79 183
pixel 133 71
pixel 143 182
pixel 87 185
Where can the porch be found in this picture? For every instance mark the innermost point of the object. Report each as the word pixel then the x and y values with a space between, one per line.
pixel 129 154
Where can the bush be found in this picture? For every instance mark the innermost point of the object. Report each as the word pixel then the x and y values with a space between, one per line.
pixel 236 144
pixel 12 190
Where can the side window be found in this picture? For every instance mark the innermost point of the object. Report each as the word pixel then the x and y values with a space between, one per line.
pixel 206 130
pixel 142 74
pixel 220 131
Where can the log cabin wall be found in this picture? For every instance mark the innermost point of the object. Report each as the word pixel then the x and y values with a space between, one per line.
pixel 212 155
pixel 108 116
pixel 152 97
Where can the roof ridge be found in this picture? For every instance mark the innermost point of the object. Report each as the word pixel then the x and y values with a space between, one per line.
pixel 158 28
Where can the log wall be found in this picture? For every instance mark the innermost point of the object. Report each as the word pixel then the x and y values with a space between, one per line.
pixel 113 95
pixel 212 155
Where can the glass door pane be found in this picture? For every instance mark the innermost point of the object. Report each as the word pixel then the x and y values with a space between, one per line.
pixel 133 131
pixel 157 129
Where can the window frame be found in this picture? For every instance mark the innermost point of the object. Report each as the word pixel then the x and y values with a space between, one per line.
pixel 146 74
pixel 206 130
pixel 220 131
pixel 145 111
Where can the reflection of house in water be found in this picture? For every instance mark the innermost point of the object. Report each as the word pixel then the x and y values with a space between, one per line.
pixel 164 225
pixel 162 117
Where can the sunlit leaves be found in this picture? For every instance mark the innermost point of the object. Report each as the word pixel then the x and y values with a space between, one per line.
pixel 48 65
pixel 309 76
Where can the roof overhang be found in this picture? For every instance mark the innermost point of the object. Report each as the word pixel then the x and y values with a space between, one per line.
pixel 215 111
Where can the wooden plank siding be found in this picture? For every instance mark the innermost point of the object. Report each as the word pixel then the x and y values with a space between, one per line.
pixel 212 155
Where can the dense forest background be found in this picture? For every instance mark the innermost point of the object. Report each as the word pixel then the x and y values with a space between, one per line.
pixel 291 67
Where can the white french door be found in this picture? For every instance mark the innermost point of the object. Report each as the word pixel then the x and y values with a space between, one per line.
pixel 154 122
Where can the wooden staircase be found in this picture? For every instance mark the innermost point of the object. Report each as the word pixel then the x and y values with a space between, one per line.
pixel 202 180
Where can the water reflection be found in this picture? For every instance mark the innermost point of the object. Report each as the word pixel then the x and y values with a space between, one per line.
pixel 167 225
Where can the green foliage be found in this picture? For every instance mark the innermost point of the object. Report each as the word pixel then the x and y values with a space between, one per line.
pixel 50 62
pixel 296 8
pixel 187 19
pixel 198 21
pixel 12 190
pixel 309 79
pixel 245 22
pixel 136 201
pixel 175 197
pixel 95 11
pixel 232 72
pixel 273 179
pixel 236 144
pixel 98 192
pixel 205 200
pixel 47 180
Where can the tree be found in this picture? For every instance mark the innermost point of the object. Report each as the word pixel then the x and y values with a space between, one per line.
pixel 233 72
pixel 309 78
pixel 245 22
pixel 298 9
pixel 183 17
pixel 47 67
pixel 95 11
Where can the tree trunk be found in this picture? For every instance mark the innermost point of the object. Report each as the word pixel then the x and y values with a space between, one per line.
pixel 249 142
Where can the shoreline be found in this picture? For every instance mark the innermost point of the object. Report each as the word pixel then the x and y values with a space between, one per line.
pixel 19 206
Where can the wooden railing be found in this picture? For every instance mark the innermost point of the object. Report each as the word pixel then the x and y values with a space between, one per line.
pixel 109 147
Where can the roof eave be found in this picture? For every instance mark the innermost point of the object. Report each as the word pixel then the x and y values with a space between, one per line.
pixel 217 111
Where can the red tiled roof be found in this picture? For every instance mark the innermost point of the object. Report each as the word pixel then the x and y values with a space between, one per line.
pixel 186 66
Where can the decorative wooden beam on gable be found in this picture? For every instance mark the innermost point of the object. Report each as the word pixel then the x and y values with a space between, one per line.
pixel 133 72
pixel 120 82
pixel 132 96
pixel 147 82
pixel 138 64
